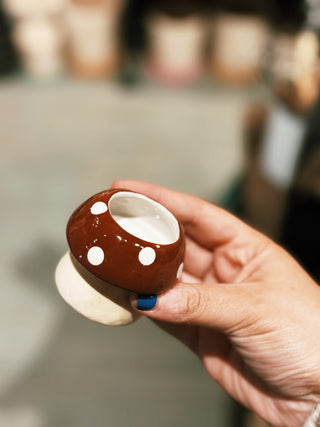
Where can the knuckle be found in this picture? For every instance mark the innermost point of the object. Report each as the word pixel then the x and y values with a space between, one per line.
pixel 193 304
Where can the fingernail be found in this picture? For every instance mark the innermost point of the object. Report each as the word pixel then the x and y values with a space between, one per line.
pixel 146 302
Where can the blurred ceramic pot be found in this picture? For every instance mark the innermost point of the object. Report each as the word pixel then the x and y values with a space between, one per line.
pixel 176 48
pixel 93 49
pixel 120 242
pixel 39 42
pixel 238 46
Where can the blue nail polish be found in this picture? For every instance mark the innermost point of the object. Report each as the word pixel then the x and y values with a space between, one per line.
pixel 146 302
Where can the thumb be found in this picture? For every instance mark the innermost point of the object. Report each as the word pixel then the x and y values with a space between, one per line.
pixel 217 306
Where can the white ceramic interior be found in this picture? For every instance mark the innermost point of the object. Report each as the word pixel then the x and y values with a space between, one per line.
pixel 144 218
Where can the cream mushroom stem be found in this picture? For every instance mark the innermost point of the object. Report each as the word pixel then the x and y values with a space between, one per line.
pixel 91 296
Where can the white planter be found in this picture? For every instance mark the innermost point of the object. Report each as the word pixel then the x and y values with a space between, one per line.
pixel 39 42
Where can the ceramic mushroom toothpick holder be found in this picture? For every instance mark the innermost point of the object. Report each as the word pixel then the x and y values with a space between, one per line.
pixel 120 242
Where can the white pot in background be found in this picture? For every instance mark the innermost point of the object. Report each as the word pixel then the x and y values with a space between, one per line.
pixel 39 41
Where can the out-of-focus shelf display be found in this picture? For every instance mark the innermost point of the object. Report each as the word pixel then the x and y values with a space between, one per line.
pixel 275 133
pixel 175 43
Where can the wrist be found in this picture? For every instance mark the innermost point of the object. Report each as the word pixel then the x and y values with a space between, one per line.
pixel 314 419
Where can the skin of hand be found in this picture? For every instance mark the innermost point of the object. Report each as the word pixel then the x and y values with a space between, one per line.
pixel 245 307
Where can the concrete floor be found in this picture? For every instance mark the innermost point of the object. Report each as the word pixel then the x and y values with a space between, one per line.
pixel 60 143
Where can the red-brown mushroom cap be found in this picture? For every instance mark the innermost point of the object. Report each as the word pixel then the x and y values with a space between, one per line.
pixel 128 240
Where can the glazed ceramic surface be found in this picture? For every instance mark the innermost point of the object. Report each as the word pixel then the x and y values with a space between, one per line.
pixel 127 240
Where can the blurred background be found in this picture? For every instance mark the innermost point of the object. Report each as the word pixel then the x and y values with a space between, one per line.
pixel 216 98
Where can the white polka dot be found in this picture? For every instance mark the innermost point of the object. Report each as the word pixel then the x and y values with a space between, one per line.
pixel 147 256
pixel 99 208
pixel 179 272
pixel 95 255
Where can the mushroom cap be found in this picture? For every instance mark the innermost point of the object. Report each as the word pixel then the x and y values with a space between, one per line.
pixel 128 240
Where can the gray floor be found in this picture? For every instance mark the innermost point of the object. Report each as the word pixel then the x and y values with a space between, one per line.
pixel 60 143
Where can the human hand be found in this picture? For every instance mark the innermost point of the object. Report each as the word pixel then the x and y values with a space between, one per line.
pixel 246 308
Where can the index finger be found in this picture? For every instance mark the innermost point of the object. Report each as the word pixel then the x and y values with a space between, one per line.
pixel 206 223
